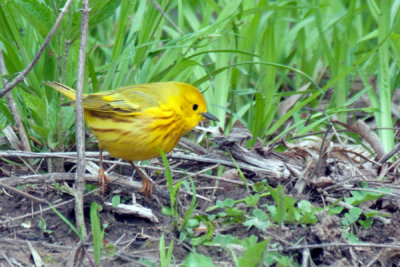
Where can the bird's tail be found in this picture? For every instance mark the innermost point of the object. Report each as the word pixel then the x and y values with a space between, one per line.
pixel 65 90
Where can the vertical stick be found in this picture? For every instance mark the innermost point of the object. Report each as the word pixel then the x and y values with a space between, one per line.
pixel 14 111
pixel 80 130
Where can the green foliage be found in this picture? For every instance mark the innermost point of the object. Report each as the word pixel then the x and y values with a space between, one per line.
pixel 115 200
pixel 183 225
pixel 197 241
pixel 279 259
pixel 364 196
pixel 43 226
pixel 61 189
pixel 255 252
pixel 352 216
pixel 78 233
pixel 366 223
pixel 165 259
pixel 230 241
pixel 286 210
pixel 254 255
pixel 235 52
pixel 171 211
pixel 237 55
pixel 197 260
pixel 260 220
pixel 241 175
pixel 97 232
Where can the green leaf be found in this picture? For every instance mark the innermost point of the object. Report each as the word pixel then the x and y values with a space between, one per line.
pixel 100 11
pixel 166 211
pixel 192 223
pixel 371 213
pixel 37 14
pixel 197 260
pixel 248 242
pixel 205 237
pixel 335 210
pixel 235 212
pixel 116 200
pixel 279 196
pixel 192 207
pixel 307 212
pixel 223 240
pixel 97 233
pixel 260 220
pixel 229 202
pixel 220 204
pixel 165 259
pixel 251 201
pixel 254 255
pixel 363 196
pixel 73 228
pixel 352 216
pixel 351 237
pixel 366 223
pixel 277 259
pixel 259 187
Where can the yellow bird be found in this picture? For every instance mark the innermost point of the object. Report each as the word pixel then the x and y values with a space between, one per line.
pixel 134 122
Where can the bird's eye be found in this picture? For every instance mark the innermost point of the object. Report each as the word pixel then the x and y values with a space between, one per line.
pixel 195 106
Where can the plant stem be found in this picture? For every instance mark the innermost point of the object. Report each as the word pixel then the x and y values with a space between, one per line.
pixel 387 136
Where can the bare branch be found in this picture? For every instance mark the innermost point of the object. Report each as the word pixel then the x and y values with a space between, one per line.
pixel 79 123
pixel 21 76
pixel 14 111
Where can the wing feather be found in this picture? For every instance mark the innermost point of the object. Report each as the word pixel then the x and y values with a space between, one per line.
pixel 123 101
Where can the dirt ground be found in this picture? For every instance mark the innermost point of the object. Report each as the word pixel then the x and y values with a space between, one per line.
pixel 31 233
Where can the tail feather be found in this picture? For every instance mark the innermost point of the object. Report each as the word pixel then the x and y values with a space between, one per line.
pixel 65 90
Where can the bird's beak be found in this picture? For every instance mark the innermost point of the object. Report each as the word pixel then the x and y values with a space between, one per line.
pixel 209 116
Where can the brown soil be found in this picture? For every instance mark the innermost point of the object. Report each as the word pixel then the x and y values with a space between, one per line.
pixel 310 176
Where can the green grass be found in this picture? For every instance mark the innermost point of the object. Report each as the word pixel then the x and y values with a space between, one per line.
pixel 227 49
pixel 245 56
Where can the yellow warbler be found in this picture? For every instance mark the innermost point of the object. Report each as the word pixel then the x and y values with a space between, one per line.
pixel 134 122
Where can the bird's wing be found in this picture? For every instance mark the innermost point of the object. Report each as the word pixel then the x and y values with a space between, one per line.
pixel 129 100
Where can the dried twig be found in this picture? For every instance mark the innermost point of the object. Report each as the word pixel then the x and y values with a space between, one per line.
pixel 272 168
pixel 24 194
pixel 21 76
pixel 79 123
pixel 391 153
pixel 13 109
pixel 365 132
pixel 305 256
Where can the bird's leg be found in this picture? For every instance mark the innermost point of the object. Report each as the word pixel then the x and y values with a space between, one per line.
pixel 103 178
pixel 147 187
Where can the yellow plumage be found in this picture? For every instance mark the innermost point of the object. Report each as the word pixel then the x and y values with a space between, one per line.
pixel 133 122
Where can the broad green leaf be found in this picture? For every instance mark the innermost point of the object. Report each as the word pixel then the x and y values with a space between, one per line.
pixel 254 255
pixel 279 196
pixel 352 216
pixel 197 260
pixel 37 14
pixel 97 233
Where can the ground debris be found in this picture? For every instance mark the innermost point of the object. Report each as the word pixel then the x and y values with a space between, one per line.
pixel 318 169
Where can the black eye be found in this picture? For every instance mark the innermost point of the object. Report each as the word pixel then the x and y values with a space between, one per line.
pixel 195 106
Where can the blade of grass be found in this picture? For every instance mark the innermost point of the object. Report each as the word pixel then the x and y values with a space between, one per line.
pixel 384 90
